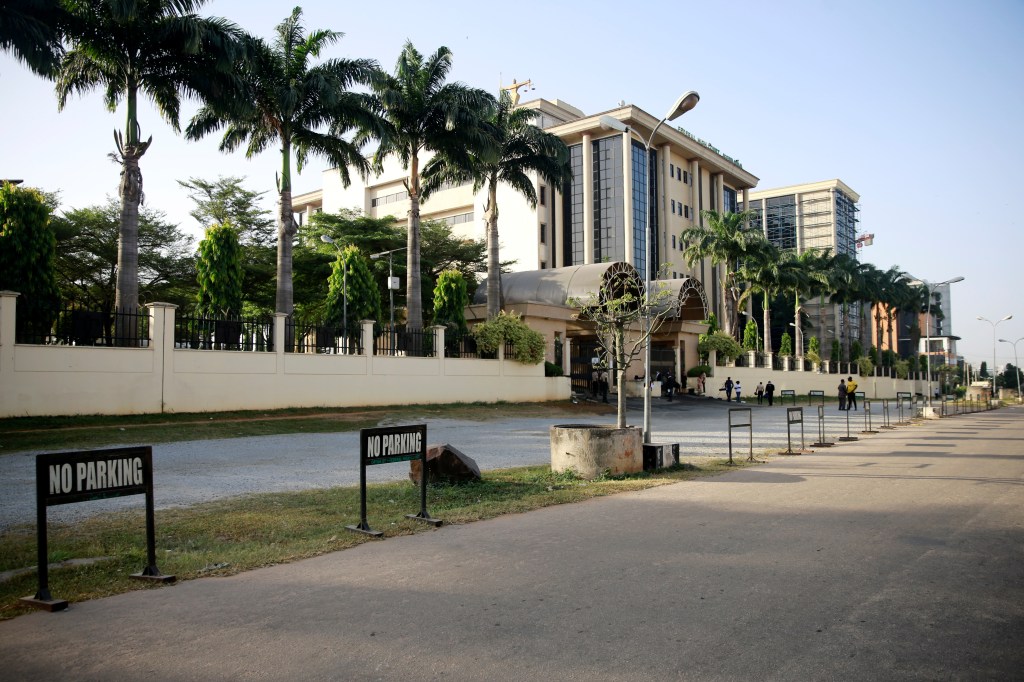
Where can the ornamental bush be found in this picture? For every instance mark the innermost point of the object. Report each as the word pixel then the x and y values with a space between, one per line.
pixel 786 345
pixel 527 344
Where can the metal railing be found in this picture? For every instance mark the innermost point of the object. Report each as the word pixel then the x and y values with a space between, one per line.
pixel 305 336
pixel 403 341
pixel 74 325
pixel 201 332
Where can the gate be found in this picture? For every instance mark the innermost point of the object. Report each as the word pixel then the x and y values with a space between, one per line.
pixel 582 353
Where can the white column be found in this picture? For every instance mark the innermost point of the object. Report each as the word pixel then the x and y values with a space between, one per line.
pixel 8 310
pixel 627 197
pixel 367 332
pixel 588 202
pixel 566 352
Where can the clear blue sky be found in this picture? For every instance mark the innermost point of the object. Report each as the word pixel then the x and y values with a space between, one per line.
pixel 915 105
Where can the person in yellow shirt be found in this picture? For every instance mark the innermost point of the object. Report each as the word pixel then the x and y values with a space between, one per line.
pixel 851 393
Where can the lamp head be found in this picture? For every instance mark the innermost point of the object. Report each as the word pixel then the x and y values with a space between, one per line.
pixel 326 239
pixel 688 100
pixel 610 123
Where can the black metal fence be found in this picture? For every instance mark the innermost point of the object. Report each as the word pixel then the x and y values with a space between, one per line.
pixel 74 325
pixel 224 333
pixel 458 345
pixel 318 337
pixel 403 341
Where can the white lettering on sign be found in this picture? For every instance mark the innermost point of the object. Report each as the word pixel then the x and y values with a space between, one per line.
pixel 394 445
pixel 89 476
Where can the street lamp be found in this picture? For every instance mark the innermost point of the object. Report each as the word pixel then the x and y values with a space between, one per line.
pixel 994 325
pixel 929 288
pixel 688 100
pixel 1016 366
pixel 392 285
pixel 326 239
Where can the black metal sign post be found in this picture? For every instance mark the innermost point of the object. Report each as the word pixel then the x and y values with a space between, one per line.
pixel 66 477
pixel 822 443
pixel 847 438
pixel 748 425
pixel 794 415
pixel 868 428
pixel 811 395
pixel 386 445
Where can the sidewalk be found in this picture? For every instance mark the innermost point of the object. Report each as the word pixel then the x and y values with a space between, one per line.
pixel 894 557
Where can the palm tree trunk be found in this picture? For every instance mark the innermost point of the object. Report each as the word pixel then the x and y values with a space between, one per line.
pixel 285 234
pixel 493 266
pixel 767 325
pixel 413 289
pixel 130 190
pixel 798 332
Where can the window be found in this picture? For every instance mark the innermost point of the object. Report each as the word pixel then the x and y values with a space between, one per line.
pixel 686 211
pixel 679 173
pixel 543 195
pixel 686 177
pixel 673 241
pixel 673 206
pixel 671 170
pixel 543 233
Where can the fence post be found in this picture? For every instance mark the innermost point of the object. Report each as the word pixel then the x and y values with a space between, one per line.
pixel 161 342
pixel 8 312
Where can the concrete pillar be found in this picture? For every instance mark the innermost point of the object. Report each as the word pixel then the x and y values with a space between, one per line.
pixel 588 202
pixel 566 355
pixel 367 332
pixel 627 199
pixel 280 320
pixel 161 342
pixel 8 311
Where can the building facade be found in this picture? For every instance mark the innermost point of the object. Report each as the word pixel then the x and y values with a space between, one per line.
pixel 814 216
pixel 621 196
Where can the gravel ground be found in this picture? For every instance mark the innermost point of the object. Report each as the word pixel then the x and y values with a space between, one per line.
pixel 189 472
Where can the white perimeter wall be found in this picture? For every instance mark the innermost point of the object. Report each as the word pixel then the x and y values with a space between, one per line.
pixel 67 380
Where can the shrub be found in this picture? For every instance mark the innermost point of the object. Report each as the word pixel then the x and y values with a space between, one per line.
pixel 751 338
pixel 720 342
pixel 865 367
pixel 786 345
pixel 552 370
pixel 527 344
pixel 697 370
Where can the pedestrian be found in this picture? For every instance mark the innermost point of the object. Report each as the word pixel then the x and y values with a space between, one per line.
pixel 737 388
pixel 842 394
pixel 728 389
pixel 769 392
pixel 759 392
pixel 700 385
pixel 602 384
pixel 670 385
pixel 851 394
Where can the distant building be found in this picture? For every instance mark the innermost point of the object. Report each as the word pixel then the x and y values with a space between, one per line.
pixel 818 216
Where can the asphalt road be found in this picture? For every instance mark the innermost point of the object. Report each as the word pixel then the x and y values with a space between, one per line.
pixel 899 556
pixel 188 472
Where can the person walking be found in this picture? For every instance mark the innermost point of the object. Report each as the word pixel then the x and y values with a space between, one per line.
pixel 842 394
pixel 700 384
pixel 759 392
pixel 728 389
pixel 738 390
pixel 769 392
pixel 851 393
pixel 602 384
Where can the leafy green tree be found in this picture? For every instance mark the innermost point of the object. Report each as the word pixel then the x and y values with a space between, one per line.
pixel 729 240
pixel 159 48
pixel 363 293
pixel 516 149
pixel 87 241
pixel 219 272
pixel 814 349
pixel 31 30
pixel 811 279
pixel 750 336
pixel 27 257
pixel 310 109
pixel 720 342
pixel 422 112
pixel 786 345
pixel 836 354
pixel 856 350
pixel 450 300
pixel 225 200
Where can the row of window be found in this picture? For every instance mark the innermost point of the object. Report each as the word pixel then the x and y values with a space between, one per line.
pixel 678 173
pixel 459 219
pixel 389 198
pixel 679 208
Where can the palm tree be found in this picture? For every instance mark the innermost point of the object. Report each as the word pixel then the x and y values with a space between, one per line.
pixel 767 271
pixel 31 30
pixel 159 48
pixel 421 112
pixel 847 285
pixel 284 99
pixel 516 149
pixel 812 276
pixel 724 238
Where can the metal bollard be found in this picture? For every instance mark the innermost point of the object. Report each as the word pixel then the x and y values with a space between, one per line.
pixel 867 418
pixel 750 431
pixel 886 422
pixel 822 443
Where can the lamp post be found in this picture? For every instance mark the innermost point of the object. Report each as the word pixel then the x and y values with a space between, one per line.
pixel 1016 367
pixel 994 325
pixel 929 288
pixel 392 285
pixel 688 100
pixel 326 239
